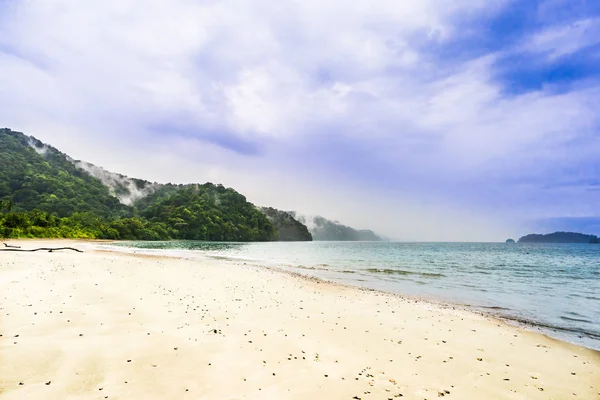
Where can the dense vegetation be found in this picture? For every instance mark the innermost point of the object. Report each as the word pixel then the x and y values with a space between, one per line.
pixel 288 228
pixel 43 194
pixel 559 237
pixel 49 183
pixel 84 225
pixel 208 212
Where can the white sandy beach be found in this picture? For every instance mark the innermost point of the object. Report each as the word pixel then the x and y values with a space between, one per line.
pixel 103 325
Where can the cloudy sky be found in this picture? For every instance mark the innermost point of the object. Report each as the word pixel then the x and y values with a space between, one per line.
pixel 421 119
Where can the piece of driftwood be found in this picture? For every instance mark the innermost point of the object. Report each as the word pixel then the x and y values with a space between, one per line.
pixel 11 246
pixel 48 249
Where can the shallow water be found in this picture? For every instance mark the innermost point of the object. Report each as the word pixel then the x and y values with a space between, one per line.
pixel 555 287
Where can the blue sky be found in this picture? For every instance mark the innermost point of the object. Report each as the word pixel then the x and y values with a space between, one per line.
pixel 422 119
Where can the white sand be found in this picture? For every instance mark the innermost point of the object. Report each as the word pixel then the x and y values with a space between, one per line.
pixel 105 325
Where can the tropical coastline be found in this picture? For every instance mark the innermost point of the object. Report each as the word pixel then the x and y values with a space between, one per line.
pixel 291 200
pixel 122 325
pixel 548 287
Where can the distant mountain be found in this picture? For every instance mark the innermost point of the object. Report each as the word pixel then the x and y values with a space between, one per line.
pixel 559 237
pixel 288 228
pixel 323 229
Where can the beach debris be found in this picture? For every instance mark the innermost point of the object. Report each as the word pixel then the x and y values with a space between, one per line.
pixel 48 249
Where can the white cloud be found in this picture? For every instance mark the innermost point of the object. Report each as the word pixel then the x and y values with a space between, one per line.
pixel 563 40
pixel 161 90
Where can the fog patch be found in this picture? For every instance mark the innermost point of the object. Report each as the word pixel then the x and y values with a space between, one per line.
pixel 126 189
pixel 39 147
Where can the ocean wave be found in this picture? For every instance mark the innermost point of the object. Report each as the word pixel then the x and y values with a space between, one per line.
pixel 498 308
pixel 311 268
pixel 575 319
pixel 390 271
pixel 568 329
pixel 583 296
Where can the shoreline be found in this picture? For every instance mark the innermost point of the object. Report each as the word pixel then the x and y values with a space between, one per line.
pixel 110 323
pixel 490 312
pixel 508 319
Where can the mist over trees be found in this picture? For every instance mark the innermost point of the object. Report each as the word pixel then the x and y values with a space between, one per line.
pixel 43 194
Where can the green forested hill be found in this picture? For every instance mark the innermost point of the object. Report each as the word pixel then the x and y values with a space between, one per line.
pixel 207 212
pixel 50 182
pixel 43 194
pixel 288 228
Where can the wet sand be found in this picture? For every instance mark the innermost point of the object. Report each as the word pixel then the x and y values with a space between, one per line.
pixel 103 325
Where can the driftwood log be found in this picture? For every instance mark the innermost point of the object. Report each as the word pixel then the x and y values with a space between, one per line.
pixel 48 249
pixel 11 246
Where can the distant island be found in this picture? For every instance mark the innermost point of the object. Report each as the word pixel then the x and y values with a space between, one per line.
pixel 559 237
pixel 510 240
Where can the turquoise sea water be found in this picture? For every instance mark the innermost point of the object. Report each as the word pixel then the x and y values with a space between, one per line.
pixel 553 287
